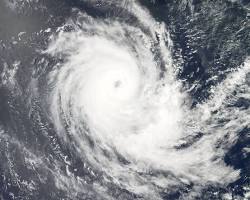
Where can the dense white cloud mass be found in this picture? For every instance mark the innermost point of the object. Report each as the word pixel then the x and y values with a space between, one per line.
pixel 130 117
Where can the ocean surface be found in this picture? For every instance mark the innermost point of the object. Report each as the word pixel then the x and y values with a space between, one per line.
pixel 124 100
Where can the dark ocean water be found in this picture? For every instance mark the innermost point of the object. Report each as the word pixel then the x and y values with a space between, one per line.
pixel 210 40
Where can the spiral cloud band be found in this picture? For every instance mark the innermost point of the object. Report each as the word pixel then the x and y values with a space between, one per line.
pixel 116 100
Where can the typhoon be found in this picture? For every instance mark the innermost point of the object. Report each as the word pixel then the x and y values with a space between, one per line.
pixel 126 123
pixel 116 96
